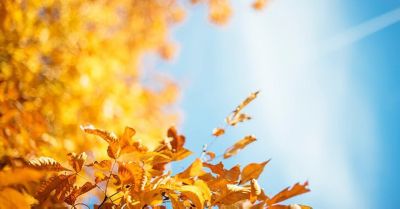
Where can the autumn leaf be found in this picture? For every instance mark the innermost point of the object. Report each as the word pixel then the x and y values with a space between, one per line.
pixel 177 141
pixel 236 116
pixel 134 175
pixel 77 161
pixel 126 138
pixel 232 194
pixel 288 192
pixel 255 190
pixel 240 118
pixel 198 193
pixel 195 169
pixel 109 137
pixel 104 165
pixel 211 155
pixel 218 132
pixel 233 150
pixel 252 171
pixel 46 163
pixel 62 184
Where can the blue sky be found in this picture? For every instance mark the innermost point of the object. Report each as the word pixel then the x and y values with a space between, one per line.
pixel 329 110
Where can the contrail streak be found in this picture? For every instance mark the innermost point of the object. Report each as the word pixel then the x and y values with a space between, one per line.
pixel 363 30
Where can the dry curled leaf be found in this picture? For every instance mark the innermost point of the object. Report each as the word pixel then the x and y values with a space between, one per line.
pixel 109 137
pixel 211 155
pixel 233 150
pixel 235 117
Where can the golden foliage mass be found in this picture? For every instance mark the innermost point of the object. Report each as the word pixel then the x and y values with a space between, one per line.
pixel 66 63
pixel 134 176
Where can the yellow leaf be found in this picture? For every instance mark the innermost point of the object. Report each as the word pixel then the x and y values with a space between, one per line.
pixel 195 169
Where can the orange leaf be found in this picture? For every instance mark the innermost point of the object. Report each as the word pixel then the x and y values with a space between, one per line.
pixel 127 136
pixel 235 117
pixel 107 136
pixel 177 140
pixel 62 184
pixel 288 192
pixel 211 155
pixel 46 163
pixel 77 161
pixel 218 132
pixel 238 119
pixel 233 150
pixel 255 190
pixel 102 165
pixel 252 171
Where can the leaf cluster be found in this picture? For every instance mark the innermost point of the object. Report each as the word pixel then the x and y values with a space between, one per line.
pixel 135 176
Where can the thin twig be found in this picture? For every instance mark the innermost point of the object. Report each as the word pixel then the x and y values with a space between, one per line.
pixel 108 180
pixel 74 206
